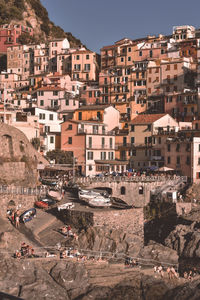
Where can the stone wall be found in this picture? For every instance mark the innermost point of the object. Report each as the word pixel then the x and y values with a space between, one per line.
pixel 135 193
pixel 130 221
pixel 183 208
pixel 22 202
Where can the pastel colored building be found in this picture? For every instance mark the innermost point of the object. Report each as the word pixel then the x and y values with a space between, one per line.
pixel 141 130
pixel 84 65
pixel 50 128
pixel 104 113
pixel 9 35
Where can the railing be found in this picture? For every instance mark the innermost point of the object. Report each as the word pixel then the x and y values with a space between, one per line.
pixel 20 190
pixel 131 179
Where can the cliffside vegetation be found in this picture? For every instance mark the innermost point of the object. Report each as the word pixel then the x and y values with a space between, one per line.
pixel 20 11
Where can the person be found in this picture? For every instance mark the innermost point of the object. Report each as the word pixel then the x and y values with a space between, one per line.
pixel 160 270
pixel 185 275
pixel 169 272
pixel 64 230
pixel 13 217
pixel 17 219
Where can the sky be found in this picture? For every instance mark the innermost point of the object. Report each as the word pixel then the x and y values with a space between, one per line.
pixel 99 23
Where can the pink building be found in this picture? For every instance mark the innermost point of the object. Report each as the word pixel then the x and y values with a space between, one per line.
pixel 84 65
pixel 9 35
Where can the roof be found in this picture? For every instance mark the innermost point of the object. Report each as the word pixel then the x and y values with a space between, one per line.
pixel 93 107
pixel 82 52
pixel 147 119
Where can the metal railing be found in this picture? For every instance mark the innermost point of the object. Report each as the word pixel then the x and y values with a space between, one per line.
pixel 20 190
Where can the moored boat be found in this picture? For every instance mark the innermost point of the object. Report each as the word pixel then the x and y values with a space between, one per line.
pixel 55 195
pixel 28 215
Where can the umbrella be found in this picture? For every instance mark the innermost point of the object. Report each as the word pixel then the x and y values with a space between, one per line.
pixel 165 169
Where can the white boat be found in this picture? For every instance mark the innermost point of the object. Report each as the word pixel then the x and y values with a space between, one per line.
pixel 87 195
pixel 100 201
pixel 68 205
pixel 55 195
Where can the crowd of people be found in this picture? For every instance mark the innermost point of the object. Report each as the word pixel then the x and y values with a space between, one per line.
pixel 66 230
pixel 26 251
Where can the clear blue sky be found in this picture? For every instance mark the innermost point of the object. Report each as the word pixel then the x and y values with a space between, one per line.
pixel 98 23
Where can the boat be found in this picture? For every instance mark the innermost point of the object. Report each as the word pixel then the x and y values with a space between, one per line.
pixel 45 203
pixel 100 201
pixel 55 195
pixel 86 195
pixel 28 215
pixel 68 205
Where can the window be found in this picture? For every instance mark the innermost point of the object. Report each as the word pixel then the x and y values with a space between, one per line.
pixel 198 160
pixel 149 127
pixel 51 117
pixel 132 127
pixel 175 77
pixel 140 53
pixel 129 58
pixel 178 160
pixel 87 56
pixel 162 51
pixel 103 155
pixel 111 143
pixel 102 142
pixel 90 142
pixel 41 102
pixel 122 59
pixel 66 102
pixel 90 155
pixel 110 155
pixel 55 93
pixel 87 67
pixel 175 67
pixel 199 147
pixel 150 53
pixel 132 140
pixel 90 167
pixel 51 139
pixel 168 147
pixel 80 115
pixel 70 140
pixel 70 127
pixel 77 57
pixel 168 68
pixel 168 159
pixel 129 49
pixel 123 190
pixel 177 147
pixel 141 190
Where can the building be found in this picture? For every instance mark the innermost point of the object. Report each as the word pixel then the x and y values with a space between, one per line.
pixel 9 35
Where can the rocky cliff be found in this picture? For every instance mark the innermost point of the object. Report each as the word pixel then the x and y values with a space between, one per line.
pixel 33 14
pixel 18 158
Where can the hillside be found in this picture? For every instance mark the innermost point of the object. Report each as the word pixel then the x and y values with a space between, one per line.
pixel 32 13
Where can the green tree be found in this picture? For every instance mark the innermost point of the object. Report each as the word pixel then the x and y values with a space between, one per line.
pixel 60 156
pixel 36 143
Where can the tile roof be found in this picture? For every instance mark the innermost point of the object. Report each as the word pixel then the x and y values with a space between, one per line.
pixel 147 119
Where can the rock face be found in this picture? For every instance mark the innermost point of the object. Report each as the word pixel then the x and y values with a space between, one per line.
pixel 33 14
pixel 110 240
pixel 18 158
pixel 185 239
